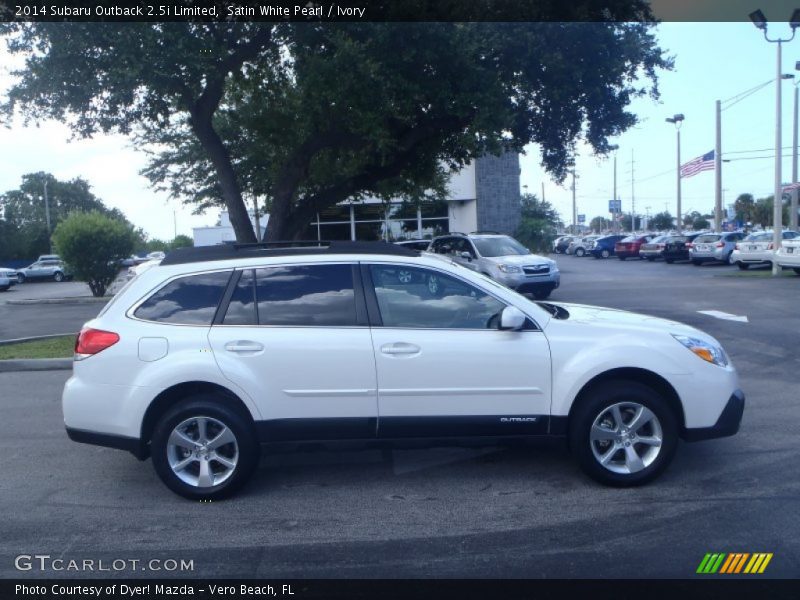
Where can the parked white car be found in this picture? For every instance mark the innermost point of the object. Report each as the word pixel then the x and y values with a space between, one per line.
pixel 788 255
pixel 581 246
pixel 5 282
pixel 757 249
pixel 199 360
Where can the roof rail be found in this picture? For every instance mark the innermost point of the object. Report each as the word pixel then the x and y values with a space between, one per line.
pixel 485 232
pixel 281 248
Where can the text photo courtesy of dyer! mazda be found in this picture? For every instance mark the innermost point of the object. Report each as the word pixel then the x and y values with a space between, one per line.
pixel 219 349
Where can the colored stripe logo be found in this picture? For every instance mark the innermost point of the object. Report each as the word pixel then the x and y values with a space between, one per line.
pixel 732 563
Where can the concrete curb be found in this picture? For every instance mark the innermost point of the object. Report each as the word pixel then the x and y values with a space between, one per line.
pixel 35 338
pixel 75 300
pixel 36 364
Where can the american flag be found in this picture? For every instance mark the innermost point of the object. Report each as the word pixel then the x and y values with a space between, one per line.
pixel 701 163
pixel 789 187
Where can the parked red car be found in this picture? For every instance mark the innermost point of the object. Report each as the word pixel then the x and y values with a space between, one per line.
pixel 629 247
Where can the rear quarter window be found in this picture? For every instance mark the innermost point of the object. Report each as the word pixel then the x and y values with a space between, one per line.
pixel 190 300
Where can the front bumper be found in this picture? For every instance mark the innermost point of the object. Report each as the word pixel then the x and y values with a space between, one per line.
pixel 530 283
pixel 727 424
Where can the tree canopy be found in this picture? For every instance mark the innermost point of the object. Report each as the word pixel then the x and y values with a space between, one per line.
pixel 304 116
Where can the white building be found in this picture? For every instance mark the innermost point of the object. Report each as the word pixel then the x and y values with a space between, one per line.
pixel 223 233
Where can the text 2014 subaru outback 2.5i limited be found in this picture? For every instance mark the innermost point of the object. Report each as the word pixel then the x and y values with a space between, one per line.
pixel 199 360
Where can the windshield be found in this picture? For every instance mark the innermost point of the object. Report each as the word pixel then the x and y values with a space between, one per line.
pixel 499 246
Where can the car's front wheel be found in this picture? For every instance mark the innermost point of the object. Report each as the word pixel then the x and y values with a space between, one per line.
pixel 605 253
pixel 623 434
pixel 580 252
pixel 797 270
pixel 58 276
pixel 20 278
pixel 204 450
pixel 742 266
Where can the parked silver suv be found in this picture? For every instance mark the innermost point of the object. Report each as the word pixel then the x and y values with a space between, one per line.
pixel 502 258
pixel 44 269
pixel 716 247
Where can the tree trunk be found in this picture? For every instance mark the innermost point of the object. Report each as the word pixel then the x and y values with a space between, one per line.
pixel 218 154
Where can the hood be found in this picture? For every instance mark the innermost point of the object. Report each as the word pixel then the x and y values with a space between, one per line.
pixel 611 317
pixel 521 260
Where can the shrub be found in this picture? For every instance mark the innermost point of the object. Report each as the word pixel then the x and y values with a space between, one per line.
pixel 92 245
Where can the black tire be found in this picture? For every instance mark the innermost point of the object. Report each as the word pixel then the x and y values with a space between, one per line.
pixel 697 263
pixel 669 261
pixel 213 407
pixel 742 266
pixel 20 278
pixel 580 252
pixel 594 405
pixel 605 253
pixel 58 276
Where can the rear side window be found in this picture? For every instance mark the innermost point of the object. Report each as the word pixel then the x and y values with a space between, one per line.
pixel 307 295
pixel 190 300
pixel 242 306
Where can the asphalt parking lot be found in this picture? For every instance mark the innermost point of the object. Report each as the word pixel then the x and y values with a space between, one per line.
pixel 522 512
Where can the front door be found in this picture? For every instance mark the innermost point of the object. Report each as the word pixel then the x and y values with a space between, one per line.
pixel 444 369
pixel 296 339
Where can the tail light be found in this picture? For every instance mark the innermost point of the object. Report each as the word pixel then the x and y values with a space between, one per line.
pixel 720 244
pixel 91 341
pixel 689 245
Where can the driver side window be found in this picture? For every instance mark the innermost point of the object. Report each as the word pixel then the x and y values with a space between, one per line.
pixel 422 298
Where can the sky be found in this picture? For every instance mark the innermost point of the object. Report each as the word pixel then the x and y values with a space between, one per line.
pixel 713 61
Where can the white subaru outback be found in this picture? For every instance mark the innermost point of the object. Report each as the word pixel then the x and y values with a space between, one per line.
pixel 199 360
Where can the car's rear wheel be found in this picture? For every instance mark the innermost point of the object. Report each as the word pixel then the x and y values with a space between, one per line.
pixel 623 433
pixel 605 253
pixel 580 252
pixel 622 257
pixel 204 450
pixel 650 258
pixel 58 276
pixel 742 266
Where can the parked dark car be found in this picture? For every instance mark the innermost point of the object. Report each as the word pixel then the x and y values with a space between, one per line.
pixel 677 247
pixel 629 247
pixel 563 243
pixel 604 246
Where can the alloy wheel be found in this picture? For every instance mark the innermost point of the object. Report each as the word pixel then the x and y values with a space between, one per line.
pixel 626 437
pixel 202 452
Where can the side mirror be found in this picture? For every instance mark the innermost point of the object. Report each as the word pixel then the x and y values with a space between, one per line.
pixel 466 256
pixel 512 319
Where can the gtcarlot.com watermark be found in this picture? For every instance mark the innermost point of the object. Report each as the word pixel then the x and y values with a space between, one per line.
pixel 46 563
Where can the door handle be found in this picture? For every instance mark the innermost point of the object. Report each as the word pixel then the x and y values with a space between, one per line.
pixel 243 346
pixel 400 348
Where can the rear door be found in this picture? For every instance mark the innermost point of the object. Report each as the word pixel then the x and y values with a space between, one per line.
pixel 296 338
pixel 444 369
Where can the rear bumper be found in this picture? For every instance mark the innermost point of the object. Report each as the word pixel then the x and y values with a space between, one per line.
pixel 132 445
pixel 727 424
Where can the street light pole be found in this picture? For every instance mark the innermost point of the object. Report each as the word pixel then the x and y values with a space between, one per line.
pixel 574 206
pixel 793 208
pixel 614 149
pixel 677 120
pixel 760 21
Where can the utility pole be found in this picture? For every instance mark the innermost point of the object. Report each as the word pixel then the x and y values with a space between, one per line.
pixel 633 197
pixel 174 223
pixel 718 172
pixel 574 205
pixel 793 207
pixel 47 216
pixel 543 191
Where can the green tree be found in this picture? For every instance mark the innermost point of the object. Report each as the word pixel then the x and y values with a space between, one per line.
pixel 181 241
pixel 307 115
pixel 627 224
pixel 599 224
pixel 539 223
pixel 701 222
pixel 743 206
pixel 25 213
pixel 92 244
pixel 661 221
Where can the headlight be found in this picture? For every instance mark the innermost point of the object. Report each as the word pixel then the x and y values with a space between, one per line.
pixel 706 351
pixel 509 268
